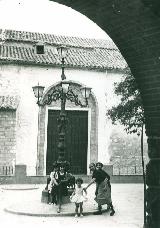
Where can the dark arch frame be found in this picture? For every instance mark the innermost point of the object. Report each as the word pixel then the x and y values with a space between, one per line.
pixel 134 26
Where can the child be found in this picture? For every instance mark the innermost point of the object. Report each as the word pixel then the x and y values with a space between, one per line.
pixel 52 186
pixel 77 197
pixel 51 199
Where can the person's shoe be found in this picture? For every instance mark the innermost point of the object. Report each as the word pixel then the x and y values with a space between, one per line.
pixel 76 216
pixel 81 215
pixel 112 212
pixel 97 213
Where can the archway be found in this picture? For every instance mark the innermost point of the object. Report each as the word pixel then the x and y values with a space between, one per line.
pixel 134 26
pixel 82 125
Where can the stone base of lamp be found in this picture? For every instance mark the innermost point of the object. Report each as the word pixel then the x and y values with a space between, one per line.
pixel 44 196
pixel 65 199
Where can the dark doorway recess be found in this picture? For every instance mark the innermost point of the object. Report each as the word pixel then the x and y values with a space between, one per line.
pixel 76 140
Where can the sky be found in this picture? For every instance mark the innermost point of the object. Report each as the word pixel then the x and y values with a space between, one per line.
pixel 45 16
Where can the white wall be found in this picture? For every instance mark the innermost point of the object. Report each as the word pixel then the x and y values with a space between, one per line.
pixel 24 77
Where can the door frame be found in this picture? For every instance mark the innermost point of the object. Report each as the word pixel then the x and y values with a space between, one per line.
pixel 89 130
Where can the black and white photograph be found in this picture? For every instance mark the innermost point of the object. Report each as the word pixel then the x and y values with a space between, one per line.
pixel 80 113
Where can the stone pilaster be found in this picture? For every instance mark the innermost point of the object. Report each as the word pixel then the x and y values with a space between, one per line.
pixel 109 169
pixel 153 183
pixel 20 174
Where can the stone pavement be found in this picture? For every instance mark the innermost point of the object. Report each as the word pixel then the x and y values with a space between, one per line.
pixel 34 207
pixel 127 199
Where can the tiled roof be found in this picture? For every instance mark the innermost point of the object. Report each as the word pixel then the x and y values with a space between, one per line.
pixel 83 53
pixel 57 40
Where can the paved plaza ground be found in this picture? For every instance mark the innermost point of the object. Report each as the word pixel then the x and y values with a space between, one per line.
pixel 127 199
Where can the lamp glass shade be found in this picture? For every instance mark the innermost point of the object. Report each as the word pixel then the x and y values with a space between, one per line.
pixel 38 91
pixel 65 86
pixel 85 91
pixel 62 51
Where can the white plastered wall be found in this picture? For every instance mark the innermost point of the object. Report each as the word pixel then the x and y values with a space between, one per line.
pixel 24 77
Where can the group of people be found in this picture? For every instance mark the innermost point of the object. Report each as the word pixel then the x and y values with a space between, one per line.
pixel 57 187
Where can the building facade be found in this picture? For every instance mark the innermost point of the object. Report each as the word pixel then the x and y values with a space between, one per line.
pixel 29 132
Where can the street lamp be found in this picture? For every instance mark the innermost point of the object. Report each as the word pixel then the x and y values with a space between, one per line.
pixel 62 93
pixel 62 52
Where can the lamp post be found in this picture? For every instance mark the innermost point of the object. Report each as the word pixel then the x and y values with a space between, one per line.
pixel 63 93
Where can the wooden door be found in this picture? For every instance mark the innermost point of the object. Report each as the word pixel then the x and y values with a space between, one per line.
pixel 76 140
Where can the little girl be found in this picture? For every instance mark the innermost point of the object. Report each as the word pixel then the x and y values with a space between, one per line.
pixel 52 187
pixel 78 198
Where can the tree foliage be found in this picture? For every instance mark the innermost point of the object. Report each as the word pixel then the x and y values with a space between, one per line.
pixel 129 112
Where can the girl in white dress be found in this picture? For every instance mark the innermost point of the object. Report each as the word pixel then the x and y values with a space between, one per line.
pixel 78 198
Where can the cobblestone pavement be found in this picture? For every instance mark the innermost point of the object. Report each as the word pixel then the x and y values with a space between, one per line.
pixel 127 199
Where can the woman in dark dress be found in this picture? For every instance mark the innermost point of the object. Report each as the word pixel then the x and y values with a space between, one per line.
pixel 103 188
pixel 62 189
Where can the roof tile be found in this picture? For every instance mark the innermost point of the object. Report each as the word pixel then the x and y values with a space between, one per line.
pixel 84 53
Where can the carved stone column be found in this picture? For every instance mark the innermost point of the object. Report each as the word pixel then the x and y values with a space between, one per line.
pixel 153 183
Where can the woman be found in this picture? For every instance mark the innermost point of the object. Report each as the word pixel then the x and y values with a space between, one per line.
pixel 103 189
pixel 61 183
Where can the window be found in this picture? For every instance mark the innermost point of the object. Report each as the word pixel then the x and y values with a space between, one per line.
pixel 40 49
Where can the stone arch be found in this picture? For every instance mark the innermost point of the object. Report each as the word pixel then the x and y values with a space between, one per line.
pixel 134 26
pixel 92 110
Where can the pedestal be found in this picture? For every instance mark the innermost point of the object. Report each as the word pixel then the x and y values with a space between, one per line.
pixel 20 173
pixel 65 199
pixel 44 196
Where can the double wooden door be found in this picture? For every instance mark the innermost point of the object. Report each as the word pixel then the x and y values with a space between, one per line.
pixel 76 140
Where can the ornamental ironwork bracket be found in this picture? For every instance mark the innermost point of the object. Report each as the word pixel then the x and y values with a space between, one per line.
pixel 58 94
pixel 74 98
